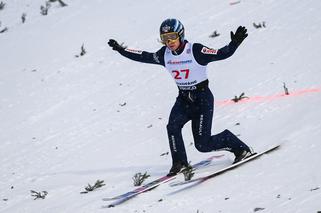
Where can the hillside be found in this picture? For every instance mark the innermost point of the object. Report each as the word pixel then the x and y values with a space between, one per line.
pixel 67 121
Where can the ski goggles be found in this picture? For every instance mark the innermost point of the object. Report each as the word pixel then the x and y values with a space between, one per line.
pixel 169 37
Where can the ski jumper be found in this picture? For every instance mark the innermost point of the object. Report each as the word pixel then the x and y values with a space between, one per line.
pixel 195 101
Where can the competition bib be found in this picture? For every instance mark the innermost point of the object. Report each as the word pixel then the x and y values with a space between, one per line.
pixel 183 68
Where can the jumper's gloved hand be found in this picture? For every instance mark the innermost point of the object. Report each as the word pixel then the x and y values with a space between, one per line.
pixel 239 36
pixel 114 44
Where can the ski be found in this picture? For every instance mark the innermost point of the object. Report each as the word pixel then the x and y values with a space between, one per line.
pixel 199 180
pixel 151 185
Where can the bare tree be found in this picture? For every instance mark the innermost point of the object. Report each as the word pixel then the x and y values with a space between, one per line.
pixel 44 9
pixel 214 34
pixel 238 98
pixel 83 51
pixel 39 195
pixel 23 17
pixel 286 90
pixel 2 5
pixel 90 188
pixel 139 178
pixel 259 25
pixel 4 30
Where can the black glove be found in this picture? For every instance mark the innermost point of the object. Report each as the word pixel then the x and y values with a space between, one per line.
pixel 239 36
pixel 114 44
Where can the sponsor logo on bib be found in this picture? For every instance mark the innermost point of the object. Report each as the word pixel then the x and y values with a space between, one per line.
pixel 179 62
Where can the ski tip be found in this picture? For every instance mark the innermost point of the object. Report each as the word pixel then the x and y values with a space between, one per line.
pixel 276 146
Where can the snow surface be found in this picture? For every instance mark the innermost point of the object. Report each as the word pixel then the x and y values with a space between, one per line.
pixel 68 121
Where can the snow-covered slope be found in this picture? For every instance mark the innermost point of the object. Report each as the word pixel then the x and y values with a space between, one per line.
pixel 67 121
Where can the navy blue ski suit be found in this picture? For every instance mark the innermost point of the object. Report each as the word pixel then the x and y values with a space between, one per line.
pixel 195 104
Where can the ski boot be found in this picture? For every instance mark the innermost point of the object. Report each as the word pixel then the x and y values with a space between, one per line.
pixel 178 167
pixel 239 156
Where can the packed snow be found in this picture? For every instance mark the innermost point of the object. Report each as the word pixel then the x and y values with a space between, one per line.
pixel 68 120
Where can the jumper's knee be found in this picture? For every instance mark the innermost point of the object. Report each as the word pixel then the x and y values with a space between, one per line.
pixel 201 148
